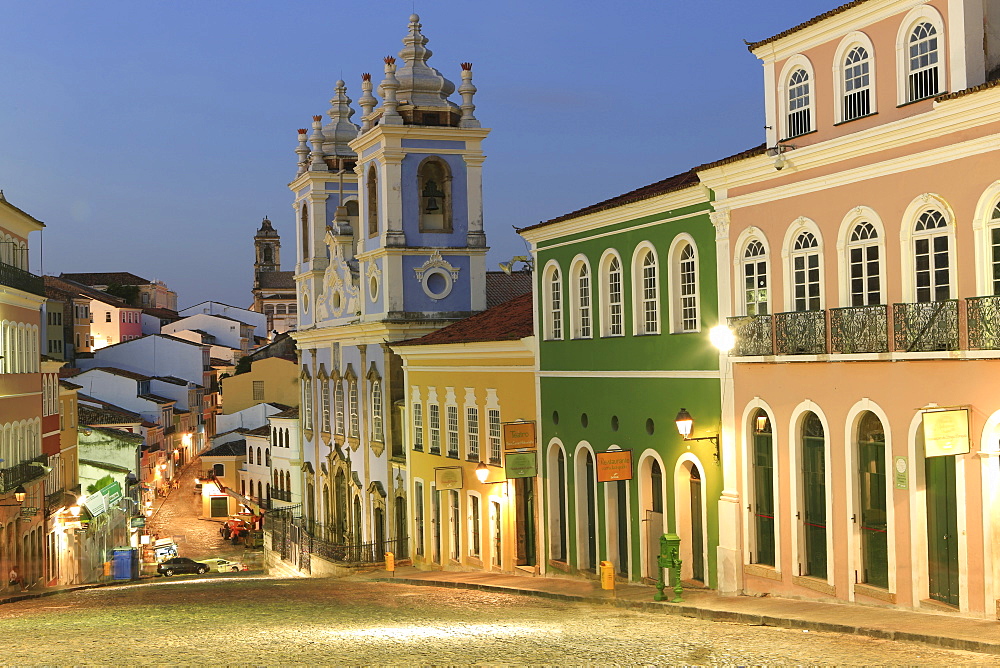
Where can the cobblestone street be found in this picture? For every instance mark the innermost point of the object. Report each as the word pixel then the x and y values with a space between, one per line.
pixel 242 619
pixel 178 515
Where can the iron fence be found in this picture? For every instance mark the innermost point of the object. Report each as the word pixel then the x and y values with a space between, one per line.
pixel 859 329
pixel 800 333
pixel 15 277
pixel 753 335
pixel 983 317
pixel 925 326
pixel 23 472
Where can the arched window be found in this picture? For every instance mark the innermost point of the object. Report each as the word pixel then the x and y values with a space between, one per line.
pixel 377 434
pixel 805 273
pixel 304 217
pixel 873 497
pixel 762 457
pixel 260 460
pixel 325 404
pixel 799 104
pixel 814 496
pixel 857 84
pixel 931 257
pixel 994 252
pixel 554 299
pixel 648 306
pixel 281 309
pixel 267 457
pixel 434 183
pixel 249 455
pixel 685 288
pixel 755 297
pixel 581 301
pixel 338 404
pixel 923 79
pixel 863 266
pixel 353 398
pixel 372 185
pixel 612 319
pixel 269 309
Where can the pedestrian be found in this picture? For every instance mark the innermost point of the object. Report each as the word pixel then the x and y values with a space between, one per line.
pixel 14 578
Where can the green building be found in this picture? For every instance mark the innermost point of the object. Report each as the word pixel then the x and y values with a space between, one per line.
pixel 626 296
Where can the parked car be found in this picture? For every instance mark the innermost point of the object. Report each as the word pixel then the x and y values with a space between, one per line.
pixel 180 565
pixel 224 565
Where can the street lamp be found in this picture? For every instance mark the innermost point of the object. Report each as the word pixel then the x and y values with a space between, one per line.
pixel 685 423
pixel 19 495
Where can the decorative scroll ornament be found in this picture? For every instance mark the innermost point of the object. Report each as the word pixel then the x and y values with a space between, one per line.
pixel 436 262
pixel 338 295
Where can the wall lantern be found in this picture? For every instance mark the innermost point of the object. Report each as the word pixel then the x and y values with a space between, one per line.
pixel 684 425
pixel 722 338
pixel 483 472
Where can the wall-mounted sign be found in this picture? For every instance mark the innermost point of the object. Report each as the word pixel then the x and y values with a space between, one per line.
pixel 449 477
pixel 518 436
pixel 901 472
pixel 946 432
pixel 137 522
pixel 28 511
pixel 520 465
pixel 99 502
pixel 614 465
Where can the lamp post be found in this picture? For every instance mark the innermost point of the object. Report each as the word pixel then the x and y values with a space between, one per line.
pixel 685 423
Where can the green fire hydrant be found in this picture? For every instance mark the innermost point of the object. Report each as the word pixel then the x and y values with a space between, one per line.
pixel 669 559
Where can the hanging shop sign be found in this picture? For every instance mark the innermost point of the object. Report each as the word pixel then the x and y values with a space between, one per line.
pixel 448 477
pixel 614 465
pixel 137 522
pixel 946 432
pixel 518 436
pixel 520 465
pixel 100 501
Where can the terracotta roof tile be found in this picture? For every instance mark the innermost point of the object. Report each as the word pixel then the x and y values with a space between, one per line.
pixel 105 416
pixel 119 372
pixel 822 17
pixel 742 155
pixel 509 321
pixel 106 278
pixel 276 279
pixel 667 185
pixel 288 413
pixel 968 91
pixel 81 290
pixel 502 287
pixel 237 448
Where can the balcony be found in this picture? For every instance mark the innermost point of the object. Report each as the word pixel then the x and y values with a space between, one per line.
pixel 859 329
pixel 22 473
pixel 983 319
pixel 15 277
pixel 925 327
pixel 753 335
pixel 800 333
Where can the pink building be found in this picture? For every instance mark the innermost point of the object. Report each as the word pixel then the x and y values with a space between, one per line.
pixel 861 249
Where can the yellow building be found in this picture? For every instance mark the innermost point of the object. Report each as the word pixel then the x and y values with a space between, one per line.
pixel 272 380
pixel 465 385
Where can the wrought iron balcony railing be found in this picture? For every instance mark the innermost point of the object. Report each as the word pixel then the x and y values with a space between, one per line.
pixel 925 326
pixel 800 333
pixel 983 318
pixel 859 329
pixel 15 277
pixel 753 335
pixel 18 474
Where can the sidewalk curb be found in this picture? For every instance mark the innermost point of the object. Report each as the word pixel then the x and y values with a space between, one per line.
pixel 708 614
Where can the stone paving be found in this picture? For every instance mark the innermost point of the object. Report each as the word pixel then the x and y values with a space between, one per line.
pixel 241 620
pixel 178 515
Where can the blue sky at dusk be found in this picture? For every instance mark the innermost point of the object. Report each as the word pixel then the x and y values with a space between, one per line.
pixel 153 136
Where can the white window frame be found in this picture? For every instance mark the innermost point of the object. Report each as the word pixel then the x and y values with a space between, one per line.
pixel 908 237
pixel 417 420
pixel 434 423
pixel 983 224
pixel 325 404
pixel 796 234
pixel 747 237
pixel 847 45
pixel 612 306
pixel 353 409
pixel 338 405
pixel 642 298
pixel 856 216
pixel 792 65
pixel 307 399
pixel 472 430
pixel 451 426
pixel 554 296
pixel 581 288
pixel 679 298
pixel 473 531
pixel 494 427
pixel 378 430
pixel 916 16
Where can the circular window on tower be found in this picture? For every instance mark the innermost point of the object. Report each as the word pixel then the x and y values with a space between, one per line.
pixel 437 283
pixel 305 301
pixel 373 288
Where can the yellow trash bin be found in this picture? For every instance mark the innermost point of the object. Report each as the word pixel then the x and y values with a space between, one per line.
pixel 607 575
pixel 390 562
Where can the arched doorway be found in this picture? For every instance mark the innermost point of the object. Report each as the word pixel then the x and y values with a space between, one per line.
pixel 340 505
pixel 558 537
pixel 762 458
pixel 401 538
pixel 586 510
pixel 358 534
pixel 814 520
pixel 872 499
pixel 652 520
pixel 689 517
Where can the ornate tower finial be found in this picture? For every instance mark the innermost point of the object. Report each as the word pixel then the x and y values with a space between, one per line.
pixel 340 130
pixel 303 151
pixel 367 102
pixel 467 90
pixel 317 164
pixel 387 89
pixel 420 84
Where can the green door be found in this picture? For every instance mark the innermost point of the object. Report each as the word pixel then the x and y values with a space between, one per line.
pixel 814 495
pixel 763 489
pixel 873 518
pixel 942 529
pixel 220 506
pixel 697 539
